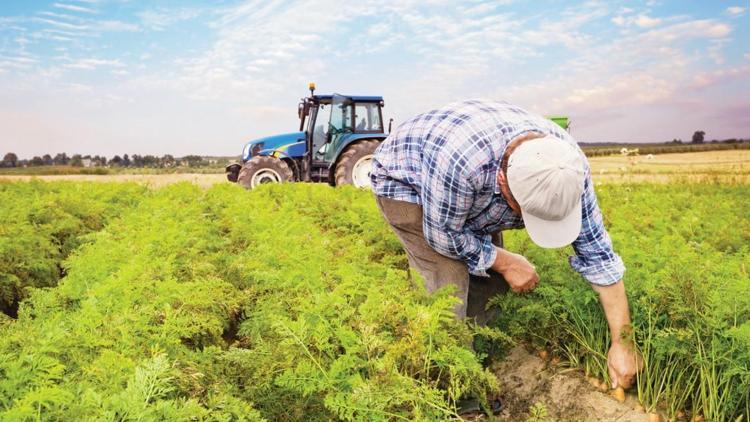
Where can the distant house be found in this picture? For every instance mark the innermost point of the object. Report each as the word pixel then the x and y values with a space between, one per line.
pixel 86 162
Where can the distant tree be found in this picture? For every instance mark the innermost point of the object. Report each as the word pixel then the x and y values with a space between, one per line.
pixel 698 136
pixel 115 161
pixel 167 161
pixel 676 141
pixel 126 161
pixel 61 159
pixel 10 160
pixel 36 161
pixel 47 159
pixel 150 161
pixel 76 160
pixel 136 160
pixel 193 160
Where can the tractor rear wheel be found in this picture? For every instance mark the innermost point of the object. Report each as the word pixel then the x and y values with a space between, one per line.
pixel 264 169
pixel 355 164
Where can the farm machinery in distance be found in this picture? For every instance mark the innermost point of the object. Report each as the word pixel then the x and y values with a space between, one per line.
pixel 337 137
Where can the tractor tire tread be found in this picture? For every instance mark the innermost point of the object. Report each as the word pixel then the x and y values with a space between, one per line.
pixel 262 162
pixel 343 170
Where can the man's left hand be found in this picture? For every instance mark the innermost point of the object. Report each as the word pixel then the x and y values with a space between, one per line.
pixel 623 362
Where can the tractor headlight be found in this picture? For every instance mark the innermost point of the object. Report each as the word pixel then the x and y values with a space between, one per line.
pixel 257 148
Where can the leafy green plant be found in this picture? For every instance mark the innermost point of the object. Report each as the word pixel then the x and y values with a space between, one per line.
pixel 686 248
pixel 42 223
pixel 185 306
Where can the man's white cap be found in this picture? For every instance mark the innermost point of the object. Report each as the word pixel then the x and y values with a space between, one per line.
pixel 546 177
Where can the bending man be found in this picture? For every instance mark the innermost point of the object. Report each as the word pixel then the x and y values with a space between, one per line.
pixel 449 180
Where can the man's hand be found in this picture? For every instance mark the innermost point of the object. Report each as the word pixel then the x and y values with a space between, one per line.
pixel 623 362
pixel 517 271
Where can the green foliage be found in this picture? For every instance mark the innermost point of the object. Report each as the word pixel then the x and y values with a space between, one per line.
pixel 538 413
pixel 42 223
pixel 293 302
pixel 686 250
pixel 228 305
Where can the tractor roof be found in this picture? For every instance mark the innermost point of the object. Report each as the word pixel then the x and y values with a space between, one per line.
pixel 355 98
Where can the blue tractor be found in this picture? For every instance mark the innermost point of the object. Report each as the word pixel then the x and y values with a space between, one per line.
pixel 337 137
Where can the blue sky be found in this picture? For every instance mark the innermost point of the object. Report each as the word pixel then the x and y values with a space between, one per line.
pixel 180 77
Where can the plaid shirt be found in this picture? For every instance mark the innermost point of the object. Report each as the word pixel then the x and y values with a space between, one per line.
pixel 447 160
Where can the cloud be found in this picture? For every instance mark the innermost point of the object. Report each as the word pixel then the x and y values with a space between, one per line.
pixel 74 8
pixel 625 19
pixel 719 76
pixel 619 20
pixel 114 26
pixel 61 16
pixel 160 19
pixel 17 62
pixel 92 63
pixel 645 21
pixel 60 24
pixel 735 10
pixel 684 31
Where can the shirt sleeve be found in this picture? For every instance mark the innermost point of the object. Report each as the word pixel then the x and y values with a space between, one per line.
pixel 447 196
pixel 595 259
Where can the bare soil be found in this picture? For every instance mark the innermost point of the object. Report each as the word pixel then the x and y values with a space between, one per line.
pixel 527 380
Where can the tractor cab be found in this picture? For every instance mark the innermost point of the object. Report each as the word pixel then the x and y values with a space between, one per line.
pixel 337 137
pixel 332 122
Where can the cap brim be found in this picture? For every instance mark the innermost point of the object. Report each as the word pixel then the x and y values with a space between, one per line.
pixel 554 234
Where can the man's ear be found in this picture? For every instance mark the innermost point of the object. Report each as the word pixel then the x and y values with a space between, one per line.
pixel 500 178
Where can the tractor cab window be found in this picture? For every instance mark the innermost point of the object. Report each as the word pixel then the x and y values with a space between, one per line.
pixel 367 117
pixel 319 123
pixel 341 117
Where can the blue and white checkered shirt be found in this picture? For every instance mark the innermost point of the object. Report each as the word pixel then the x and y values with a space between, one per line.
pixel 447 160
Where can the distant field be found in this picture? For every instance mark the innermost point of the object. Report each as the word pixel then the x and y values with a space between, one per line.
pixel 70 170
pixel 728 165
pixel 725 166
pixel 153 180
pixel 614 149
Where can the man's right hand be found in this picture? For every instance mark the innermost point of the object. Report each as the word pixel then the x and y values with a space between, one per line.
pixel 517 271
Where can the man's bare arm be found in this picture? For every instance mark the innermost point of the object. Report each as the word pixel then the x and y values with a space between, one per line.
pixel 622 360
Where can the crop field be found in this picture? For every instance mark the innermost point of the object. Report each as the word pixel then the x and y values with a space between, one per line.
pixel 729 166
pixel 294 302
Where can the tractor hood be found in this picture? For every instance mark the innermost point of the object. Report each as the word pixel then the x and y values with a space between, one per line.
pixel 267 145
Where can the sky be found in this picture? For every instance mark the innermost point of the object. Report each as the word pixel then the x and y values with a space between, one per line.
pixel 198 77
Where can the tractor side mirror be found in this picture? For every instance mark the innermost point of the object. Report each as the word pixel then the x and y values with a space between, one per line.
pixel 300 110
pixel 390 124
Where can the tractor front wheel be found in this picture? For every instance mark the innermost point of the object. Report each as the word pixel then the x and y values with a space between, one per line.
pixel 355 164
pixel 264 169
